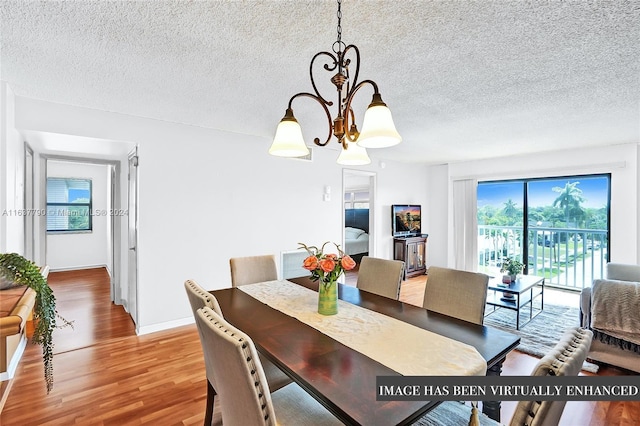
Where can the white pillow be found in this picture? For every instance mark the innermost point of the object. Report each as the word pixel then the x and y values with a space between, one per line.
pixel 352 233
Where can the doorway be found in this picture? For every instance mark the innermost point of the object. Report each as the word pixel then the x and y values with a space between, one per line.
pixel 105 239
pixel 47 147
pixel 358 198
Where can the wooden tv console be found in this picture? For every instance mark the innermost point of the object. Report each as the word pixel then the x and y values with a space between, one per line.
pixel 413 252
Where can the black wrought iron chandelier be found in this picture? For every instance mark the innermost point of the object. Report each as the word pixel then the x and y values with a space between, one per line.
pixel 378 129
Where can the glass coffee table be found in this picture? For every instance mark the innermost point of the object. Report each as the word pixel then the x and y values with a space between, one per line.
pixel 516 295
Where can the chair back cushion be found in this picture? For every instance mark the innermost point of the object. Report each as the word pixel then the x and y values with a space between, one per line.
pixel 253 269
pixel 380 276
pixel 622 272
pixel 240 380
pixel 458 294
pixel 199 298
pixel 565 359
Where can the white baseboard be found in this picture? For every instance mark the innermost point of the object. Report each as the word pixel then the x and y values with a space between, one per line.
pixel 78 268
pixel 164 326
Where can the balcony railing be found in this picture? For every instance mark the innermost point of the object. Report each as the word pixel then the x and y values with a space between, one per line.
pixel 568 258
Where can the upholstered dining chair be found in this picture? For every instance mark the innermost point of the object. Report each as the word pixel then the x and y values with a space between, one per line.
pixel 253 269
pixel 380 276
pixel 200 298
pixel 458 294
pixel 241 382
pixel 565 359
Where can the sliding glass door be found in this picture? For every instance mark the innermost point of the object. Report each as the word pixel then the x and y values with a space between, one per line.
pixel 560 225
pixel 500 224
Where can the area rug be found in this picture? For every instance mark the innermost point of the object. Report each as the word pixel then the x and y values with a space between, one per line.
pixel 452 413
pixel 540 335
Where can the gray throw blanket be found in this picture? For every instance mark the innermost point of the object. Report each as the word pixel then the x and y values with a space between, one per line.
pixel 615 313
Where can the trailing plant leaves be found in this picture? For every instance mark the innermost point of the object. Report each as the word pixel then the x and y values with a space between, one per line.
pixel 24 272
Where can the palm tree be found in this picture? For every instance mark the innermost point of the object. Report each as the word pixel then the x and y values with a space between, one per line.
pixel 569 199
pixel 510 209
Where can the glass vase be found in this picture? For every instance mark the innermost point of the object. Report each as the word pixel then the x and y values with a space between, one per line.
pixel 328 298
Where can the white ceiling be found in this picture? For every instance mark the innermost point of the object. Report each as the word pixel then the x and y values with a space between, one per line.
pixel 464 79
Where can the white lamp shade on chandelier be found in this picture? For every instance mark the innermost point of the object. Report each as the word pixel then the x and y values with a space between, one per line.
pixel 378 129
pixel 288 141
pixel 354 155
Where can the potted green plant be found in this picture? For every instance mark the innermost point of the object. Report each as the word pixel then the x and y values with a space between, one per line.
pixel 21 271
pixel 512 267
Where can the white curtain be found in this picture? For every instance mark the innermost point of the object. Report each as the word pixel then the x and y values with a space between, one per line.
pixel 465 224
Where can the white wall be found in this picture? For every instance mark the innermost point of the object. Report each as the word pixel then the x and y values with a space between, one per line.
pixel 437 215
pixel 86 249
pixel 207 195
pixel 398 183
pixel 11 177
pixel 621 161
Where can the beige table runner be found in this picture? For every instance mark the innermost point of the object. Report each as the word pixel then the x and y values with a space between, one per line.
pixel 405 348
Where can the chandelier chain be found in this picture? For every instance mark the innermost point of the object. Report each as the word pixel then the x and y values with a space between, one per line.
pixel 339 14
pixel 338 45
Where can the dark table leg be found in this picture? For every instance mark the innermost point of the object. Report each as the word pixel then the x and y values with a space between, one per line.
pixel 492 408
pixel 517 314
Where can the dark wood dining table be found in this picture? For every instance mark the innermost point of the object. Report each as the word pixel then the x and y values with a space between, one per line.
pixel 340 378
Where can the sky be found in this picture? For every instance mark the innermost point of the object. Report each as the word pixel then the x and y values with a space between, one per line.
pixel 594 191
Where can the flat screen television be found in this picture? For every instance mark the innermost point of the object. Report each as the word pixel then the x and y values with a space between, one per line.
pixel 406 220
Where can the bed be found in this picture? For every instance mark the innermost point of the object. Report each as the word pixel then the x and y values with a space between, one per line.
pixel 356 241
pixel 356 231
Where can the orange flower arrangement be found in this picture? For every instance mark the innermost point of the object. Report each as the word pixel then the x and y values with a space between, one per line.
pixel 326 267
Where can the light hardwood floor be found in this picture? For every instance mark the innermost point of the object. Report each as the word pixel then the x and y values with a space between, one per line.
pixel 105 374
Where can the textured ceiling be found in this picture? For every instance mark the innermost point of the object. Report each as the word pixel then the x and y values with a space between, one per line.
pixel 464 79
